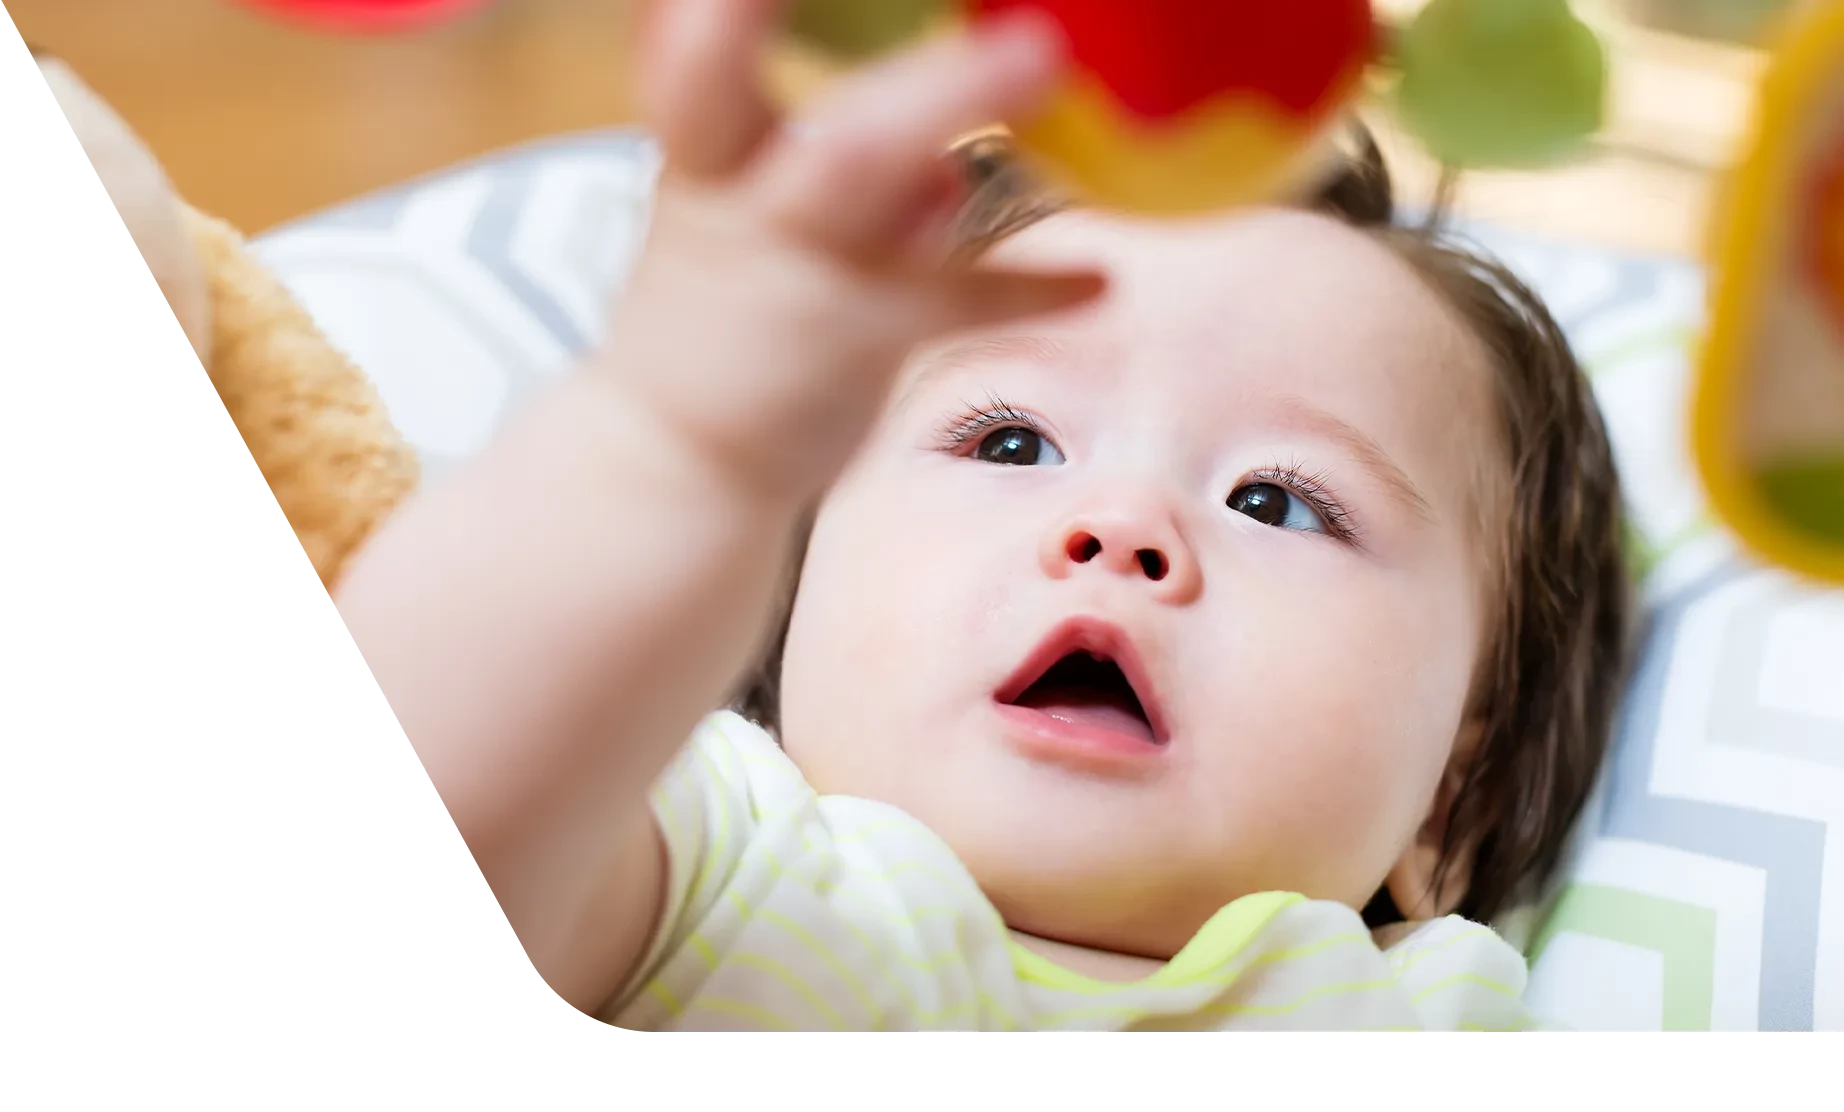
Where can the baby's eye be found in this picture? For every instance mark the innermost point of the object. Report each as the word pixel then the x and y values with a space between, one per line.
pixel 1019 447
pixel 1273 504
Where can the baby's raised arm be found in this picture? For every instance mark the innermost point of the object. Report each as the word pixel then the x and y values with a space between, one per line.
pixel 550 622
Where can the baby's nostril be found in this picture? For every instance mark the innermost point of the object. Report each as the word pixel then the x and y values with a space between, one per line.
pixel 1084 547
pixel 1152 562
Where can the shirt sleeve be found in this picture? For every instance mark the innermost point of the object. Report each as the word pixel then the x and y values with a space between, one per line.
pixel 710 804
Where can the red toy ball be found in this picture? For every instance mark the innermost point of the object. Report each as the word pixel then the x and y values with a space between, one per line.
pixel 369 15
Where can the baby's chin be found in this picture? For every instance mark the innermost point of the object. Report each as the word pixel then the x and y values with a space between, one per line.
pixel 1155 929
pixel 1095 896
pixel 1122 867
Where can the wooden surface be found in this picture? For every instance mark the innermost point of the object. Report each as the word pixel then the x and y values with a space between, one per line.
pixel 260 121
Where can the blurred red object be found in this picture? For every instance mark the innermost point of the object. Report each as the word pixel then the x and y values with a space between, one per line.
pixel 368 15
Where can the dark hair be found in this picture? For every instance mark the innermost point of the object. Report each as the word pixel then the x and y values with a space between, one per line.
pixel 1548 683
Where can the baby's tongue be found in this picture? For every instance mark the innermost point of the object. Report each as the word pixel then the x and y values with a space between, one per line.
pixel 1095 709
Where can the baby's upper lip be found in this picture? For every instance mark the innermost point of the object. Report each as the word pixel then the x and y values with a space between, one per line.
pixel 1101 638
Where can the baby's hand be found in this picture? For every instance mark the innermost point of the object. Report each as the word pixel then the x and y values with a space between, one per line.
pixel 792 266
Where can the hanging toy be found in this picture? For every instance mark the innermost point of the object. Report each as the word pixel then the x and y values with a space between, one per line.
pixel 1183 106
pixel 1511 84
pixel 1176 106
pixel 369 16
pixel 851 30
pixel 1170 106
pixel 1768 408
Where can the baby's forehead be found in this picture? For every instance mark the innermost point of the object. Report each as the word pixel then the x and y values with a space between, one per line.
pixel 1266 246
pixel 1303 287
pixel 1207 321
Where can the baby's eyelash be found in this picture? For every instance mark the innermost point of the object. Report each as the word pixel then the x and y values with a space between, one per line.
pixel 971 424
pixel 975 421
pixel 1314 487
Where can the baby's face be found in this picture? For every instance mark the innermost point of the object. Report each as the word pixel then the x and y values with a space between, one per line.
pixel 1248 481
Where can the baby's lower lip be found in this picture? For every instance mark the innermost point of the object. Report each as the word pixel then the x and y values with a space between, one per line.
pixel 1044 736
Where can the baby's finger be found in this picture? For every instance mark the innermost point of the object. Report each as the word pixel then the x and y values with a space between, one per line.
pixel 857 172
pixel 702 89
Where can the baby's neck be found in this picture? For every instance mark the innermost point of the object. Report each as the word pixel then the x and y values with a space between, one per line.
pixel 1100 965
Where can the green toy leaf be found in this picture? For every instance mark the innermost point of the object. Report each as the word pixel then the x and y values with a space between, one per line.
pixel 1501 83
pixel 852 29
pixel 1808 494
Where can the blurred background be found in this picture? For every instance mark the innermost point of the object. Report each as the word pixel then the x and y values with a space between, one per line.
pixel 260 121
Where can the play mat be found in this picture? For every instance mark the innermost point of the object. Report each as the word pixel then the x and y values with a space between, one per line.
pixel 1706 890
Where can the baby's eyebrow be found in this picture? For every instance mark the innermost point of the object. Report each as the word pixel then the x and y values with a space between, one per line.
pixel 1369 454
pixel 989 349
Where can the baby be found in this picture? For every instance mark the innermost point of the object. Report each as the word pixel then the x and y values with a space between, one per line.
pixel 1133 625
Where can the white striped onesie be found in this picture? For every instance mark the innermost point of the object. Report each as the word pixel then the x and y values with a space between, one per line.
pixel 787 910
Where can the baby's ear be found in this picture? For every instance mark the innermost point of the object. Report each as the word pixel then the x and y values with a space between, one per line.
pixel 1412 883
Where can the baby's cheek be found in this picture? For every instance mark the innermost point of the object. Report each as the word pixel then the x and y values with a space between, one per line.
pixel 873 584
pixel 1377 702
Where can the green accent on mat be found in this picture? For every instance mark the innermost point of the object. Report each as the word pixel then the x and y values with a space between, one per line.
pixel 1685 934
pixel 1643 555
pixel 1676 338
pixel 1808 495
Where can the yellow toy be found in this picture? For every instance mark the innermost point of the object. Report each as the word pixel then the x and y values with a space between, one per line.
pixel 1768 410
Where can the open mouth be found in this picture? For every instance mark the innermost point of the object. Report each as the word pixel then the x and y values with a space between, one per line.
pixel 1087 676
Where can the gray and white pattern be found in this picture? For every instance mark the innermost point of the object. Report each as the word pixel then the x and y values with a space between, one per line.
pixel 461 293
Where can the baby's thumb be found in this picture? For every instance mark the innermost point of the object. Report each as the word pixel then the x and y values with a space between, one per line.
pixel 985 298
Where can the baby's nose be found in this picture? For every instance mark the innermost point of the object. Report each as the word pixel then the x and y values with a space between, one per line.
pixel 1142 542
pixel 1084 547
